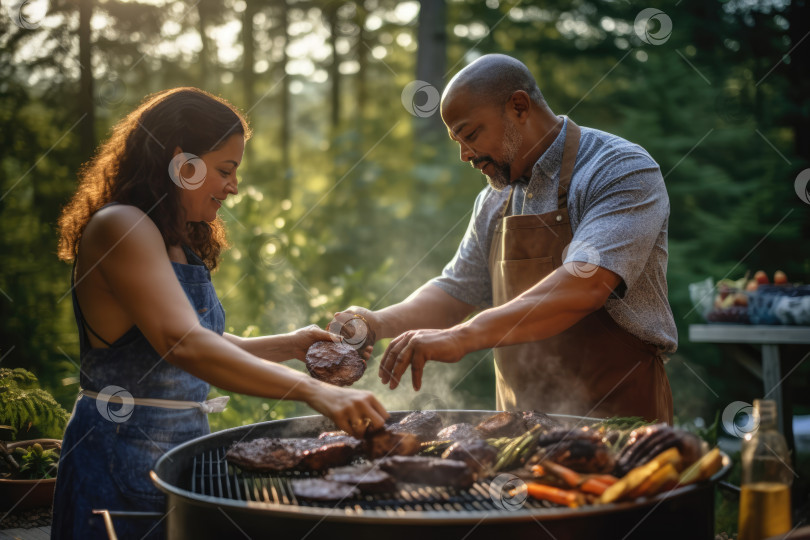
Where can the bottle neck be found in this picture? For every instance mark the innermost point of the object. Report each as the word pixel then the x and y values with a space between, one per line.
pixel 765 414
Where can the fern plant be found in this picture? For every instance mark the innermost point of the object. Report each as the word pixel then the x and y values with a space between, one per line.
pixel 24 406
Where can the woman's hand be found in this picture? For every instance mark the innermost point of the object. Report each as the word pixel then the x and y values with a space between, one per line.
pixel 298 341
pixel 353 411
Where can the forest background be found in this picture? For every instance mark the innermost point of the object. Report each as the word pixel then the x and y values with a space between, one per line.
pixel 351 192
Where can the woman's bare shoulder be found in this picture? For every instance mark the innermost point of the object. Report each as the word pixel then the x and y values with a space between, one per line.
pixel 120 223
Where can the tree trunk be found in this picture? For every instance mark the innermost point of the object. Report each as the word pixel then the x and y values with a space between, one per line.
pixel 248 60
pixel 330 11
pixel 248 56
pixel 87 132
pixel 205 50
pixel 362 60
pixel 798 70
pixel 431 62
pixel 286 132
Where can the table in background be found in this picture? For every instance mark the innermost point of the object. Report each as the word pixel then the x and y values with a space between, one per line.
pixel 770 337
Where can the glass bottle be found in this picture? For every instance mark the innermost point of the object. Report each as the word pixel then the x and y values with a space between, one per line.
pixel 766 477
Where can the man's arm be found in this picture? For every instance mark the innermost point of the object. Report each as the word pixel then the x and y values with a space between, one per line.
pixel 553 305
pixel 428 307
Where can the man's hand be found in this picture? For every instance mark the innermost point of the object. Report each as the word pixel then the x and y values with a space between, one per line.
pixel 415 348
pixel 368 322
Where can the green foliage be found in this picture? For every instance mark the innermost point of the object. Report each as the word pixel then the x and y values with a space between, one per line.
pixel 36 463
pixel 28 409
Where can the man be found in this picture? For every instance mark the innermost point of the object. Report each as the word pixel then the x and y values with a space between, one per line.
pixel 565 257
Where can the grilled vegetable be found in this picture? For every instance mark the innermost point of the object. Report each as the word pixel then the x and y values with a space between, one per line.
pixel 555 495
pixel 703 469
pixel 514 452
pixel 585 483
pixel 664 478
pixel 636 477
pixel 650 441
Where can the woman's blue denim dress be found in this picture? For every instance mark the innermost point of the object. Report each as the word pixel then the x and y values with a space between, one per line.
pixel 107 452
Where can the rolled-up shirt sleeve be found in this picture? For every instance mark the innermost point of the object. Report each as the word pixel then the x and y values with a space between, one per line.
pixel 622 218
pixel 466 277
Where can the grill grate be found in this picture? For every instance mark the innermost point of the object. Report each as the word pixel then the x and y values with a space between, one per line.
pixel 213 476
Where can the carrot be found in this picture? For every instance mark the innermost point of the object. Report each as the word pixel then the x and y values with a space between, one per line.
pixel 607 479
pixel 555 495
pixel 571 478
pixel 538 470
pixel 592 485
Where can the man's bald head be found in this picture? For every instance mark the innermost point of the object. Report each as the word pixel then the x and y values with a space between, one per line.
pixel 492 79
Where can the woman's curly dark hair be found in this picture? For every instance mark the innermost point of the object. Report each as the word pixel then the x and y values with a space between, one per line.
pixel 132 167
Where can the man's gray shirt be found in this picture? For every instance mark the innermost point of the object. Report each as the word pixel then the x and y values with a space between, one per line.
pixel 619 210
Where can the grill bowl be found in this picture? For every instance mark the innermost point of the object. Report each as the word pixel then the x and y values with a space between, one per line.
pixel 207 498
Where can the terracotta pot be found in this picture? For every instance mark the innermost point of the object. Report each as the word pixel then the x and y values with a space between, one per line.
pixel 24 494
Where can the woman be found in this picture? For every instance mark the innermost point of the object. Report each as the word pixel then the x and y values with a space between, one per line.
pixel 143 232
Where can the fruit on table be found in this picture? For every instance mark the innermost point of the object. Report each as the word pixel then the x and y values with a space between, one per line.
pixel 753 284
pixel 761 277
pixel 740 299
pixel 780 278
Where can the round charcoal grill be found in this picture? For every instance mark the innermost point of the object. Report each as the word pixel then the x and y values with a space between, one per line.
pixel 210 498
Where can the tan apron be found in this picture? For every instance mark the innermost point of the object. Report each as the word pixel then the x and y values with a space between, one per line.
pixel 595 368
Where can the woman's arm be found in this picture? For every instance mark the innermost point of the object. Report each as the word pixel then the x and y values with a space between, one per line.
pixel 130 254
pixel 287 346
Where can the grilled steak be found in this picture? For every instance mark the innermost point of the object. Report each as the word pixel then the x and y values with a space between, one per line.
pixel 422 424
pixel 335 363
pixel 333 434
pixel 476 453
pixel 385 442
pixel 328 455
pixel 582 450
pixel 267 454
pixel 459 432
pixel 368 478
pixel 503 424
pixel 319 489
pixel 428 470
pixel 534 418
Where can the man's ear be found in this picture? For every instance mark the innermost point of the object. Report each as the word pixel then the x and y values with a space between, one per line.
pixel 520 105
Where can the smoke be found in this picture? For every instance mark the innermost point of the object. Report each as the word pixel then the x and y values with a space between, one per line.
pixel 464 385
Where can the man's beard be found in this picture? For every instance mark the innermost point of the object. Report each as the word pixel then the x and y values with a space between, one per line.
pixel 501 175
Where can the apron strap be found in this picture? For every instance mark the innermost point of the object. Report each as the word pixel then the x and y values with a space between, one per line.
pixel 214 405
pixel 570 151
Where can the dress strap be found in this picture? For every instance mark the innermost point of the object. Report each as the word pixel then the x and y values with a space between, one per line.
pixel 82 323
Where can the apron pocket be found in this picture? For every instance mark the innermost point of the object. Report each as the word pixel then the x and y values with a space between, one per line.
pixel 520 275
pixel 134 453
